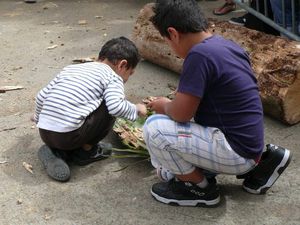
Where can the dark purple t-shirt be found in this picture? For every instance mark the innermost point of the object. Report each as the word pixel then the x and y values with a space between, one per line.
pixel 219 71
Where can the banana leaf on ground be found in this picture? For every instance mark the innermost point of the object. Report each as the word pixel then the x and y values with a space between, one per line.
pixel 131 135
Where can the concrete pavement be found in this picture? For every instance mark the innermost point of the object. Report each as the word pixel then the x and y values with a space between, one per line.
pixel 96 194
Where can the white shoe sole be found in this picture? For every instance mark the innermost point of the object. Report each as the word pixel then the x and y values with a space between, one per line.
pixel 238 24
pixel 185 202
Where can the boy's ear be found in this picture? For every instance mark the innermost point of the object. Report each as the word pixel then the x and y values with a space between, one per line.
pixel 173 33
pixel 122 63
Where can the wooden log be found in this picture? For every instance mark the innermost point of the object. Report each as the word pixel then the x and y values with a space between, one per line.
pixel 275 61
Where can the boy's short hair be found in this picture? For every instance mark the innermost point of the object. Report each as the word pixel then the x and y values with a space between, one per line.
pixel 118 49
pixel 183 15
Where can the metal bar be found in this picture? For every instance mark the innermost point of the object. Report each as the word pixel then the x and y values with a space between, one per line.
pixel 266 8
pixel 294 17
pixel 298 16
pixel 268 21
pixel 283 14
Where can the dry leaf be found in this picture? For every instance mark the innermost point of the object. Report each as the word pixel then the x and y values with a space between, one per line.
pixel 50 5
pixel 47 217
pixel 82 22
pixel 28 167
pixel 52 47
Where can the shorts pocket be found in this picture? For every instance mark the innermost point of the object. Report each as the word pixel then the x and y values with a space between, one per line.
pixel 184 138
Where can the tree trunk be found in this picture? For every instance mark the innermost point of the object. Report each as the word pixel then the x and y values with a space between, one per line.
pixel 275 61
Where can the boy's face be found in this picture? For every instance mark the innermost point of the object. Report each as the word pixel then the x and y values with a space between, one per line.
pixel 174 42
pixel 122 70
pixel 126 73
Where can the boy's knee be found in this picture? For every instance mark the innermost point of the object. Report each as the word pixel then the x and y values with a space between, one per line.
pixel 152 125
pixel 149 123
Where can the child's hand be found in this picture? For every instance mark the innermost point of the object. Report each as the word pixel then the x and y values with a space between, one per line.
pixel 158 105
pixel 142 110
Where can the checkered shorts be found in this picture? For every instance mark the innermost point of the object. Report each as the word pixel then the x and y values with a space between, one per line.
pixel 181 147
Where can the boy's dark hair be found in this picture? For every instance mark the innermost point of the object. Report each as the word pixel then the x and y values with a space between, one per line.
pixel 184 15
pixel 118 49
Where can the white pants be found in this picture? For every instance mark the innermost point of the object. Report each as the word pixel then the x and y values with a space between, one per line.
pixel 181 147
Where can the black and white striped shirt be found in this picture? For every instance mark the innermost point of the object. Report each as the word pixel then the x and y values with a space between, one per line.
pixel 76 92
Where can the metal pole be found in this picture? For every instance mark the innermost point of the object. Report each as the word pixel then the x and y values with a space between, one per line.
pixel 268 21
pixel 266 8
pixel 294 17
pixel 283 14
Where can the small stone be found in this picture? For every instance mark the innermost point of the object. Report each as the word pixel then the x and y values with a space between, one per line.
pixel 82 22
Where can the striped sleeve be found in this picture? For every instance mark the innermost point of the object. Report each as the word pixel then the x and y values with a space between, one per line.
pixel 116 103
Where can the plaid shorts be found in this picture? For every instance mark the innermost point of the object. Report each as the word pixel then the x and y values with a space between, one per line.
pixel 181 147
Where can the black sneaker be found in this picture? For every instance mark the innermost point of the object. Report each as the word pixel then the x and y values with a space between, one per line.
pixel 238 21
pixel 210 176
pixel 249 173
pixel 98 152
pixel 268 170
pixel 55 166
pixel 185 193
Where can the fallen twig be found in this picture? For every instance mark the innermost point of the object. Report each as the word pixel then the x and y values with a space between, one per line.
pixel 52 47
pixel 6 129
pixel 4 89
pixel 83 60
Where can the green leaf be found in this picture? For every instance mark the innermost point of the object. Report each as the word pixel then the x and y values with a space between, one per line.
pixel 142 152
pixel 129 156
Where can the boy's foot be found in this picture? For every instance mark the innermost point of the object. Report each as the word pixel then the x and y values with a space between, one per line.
pixel 98 152
pixel 185 193
pixel 238 20
pixel 268 170
pixel 55 167
pixel 165 175
pixel 210 176
pixel 249 173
